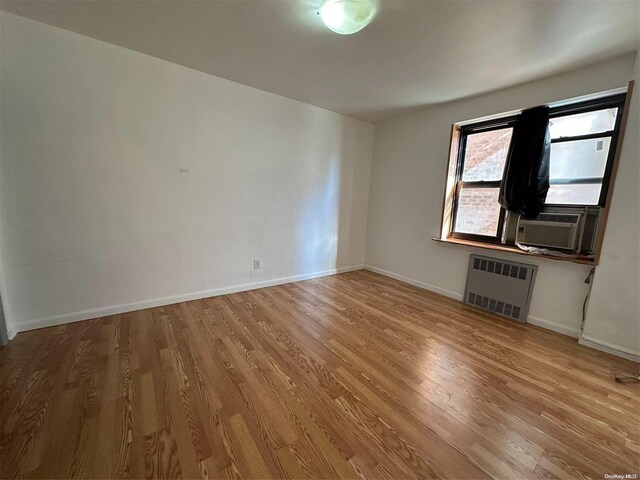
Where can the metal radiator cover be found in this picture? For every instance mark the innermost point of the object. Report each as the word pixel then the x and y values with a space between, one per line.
pixel 500 286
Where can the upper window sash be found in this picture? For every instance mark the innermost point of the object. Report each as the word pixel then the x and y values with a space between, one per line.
pixel 589 106
pixel 613 101
pixel 482 127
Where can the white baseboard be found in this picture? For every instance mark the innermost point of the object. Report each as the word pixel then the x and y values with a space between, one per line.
pixel 414 282
pixel 553 326
pixel 158 302
pixel 541 322
pixel 609 348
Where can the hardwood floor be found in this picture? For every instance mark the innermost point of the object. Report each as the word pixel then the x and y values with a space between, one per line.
pixel 350 376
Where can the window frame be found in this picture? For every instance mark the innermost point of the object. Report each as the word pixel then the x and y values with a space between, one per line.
pixel 611 101
pixel 617 100
pixel 507 244
pixel 465 131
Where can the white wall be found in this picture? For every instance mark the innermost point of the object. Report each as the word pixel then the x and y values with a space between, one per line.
pixel 94 214
pixel 613 316
pixel 407 187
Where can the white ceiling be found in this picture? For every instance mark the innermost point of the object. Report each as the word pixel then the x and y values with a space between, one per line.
pixel 415 53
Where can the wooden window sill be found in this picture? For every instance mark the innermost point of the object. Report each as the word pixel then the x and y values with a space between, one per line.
pixel 510 249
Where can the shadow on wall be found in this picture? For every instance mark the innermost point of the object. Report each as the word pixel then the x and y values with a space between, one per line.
pixel 4 336
pixel 325 228
pixel 318 232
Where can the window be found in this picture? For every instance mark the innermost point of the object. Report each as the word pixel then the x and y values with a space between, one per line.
pixel 584 138
pixel 583 143
pixel 482 157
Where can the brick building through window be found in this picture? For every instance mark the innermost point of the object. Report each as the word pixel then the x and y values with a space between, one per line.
pixel 478 211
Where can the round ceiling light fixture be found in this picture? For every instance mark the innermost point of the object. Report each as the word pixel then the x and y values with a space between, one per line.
pixel 347 16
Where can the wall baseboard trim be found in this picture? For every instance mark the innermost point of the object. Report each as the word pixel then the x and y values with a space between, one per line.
pixel 553 326
pixel 609 348
pixel 414 282
pixel 159 302
pixel 540 322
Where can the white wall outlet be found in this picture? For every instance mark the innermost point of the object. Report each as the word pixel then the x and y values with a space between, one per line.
pixel 256 264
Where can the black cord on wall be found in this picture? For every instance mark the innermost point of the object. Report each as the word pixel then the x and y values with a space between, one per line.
pixel 588 280
pixel 584 305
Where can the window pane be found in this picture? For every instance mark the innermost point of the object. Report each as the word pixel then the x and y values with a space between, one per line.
pixel 579 159
pixel 583 123
pixel 485 154
pixel 478 211
pixel 576 194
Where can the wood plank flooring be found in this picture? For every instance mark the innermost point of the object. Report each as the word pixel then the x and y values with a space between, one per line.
pixel 349 376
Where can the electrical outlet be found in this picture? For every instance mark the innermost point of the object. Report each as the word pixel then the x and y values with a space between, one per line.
pixel 256 264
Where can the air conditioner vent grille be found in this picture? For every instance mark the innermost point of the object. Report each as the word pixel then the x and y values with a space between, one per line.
pixel 559 237
pixel 555 230
pixel 559 217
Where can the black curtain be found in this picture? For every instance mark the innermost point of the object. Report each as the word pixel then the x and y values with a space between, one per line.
pixel 525 181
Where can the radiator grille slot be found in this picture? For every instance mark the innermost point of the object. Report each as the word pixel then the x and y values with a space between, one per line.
pixel 500 268
pixel 500 286
pixel 494 305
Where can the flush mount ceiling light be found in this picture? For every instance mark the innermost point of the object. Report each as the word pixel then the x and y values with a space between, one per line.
pixel 347 16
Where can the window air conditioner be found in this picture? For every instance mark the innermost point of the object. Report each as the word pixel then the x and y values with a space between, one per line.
pixel 554 230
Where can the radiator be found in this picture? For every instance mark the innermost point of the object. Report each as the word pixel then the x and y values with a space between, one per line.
pixel 500 286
